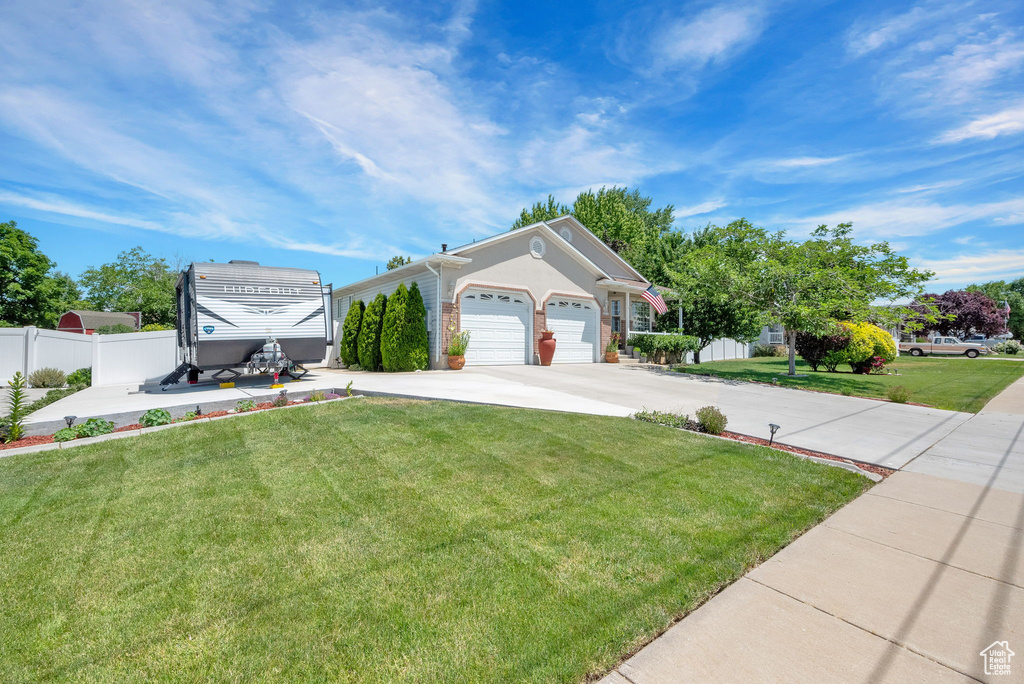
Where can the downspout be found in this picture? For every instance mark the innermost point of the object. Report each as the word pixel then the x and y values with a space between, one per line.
pixel 437 329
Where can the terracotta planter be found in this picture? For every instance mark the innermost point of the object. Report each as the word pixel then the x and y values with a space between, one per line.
pixel 546 347
pixel 456 362
pixel 611 357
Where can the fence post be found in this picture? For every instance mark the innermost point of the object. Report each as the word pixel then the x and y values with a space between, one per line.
pixel 30 350
pixel 96 371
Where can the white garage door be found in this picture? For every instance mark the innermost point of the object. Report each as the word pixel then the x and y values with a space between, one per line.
pixel 498 325
pixel 574 323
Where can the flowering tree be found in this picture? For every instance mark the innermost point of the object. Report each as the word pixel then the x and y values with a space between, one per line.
pixel 964 314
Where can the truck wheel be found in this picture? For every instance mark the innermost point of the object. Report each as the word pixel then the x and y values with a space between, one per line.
pixel 916 352
pixel 971 353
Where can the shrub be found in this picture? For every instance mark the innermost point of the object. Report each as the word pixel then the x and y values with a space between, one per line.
pixel 814 349
pixel 280 400
pixel 118 329
pixel 763 350
pixel 394 354
pixel 348 348
pixel 898 394
pixel 16 409
pixel 712 420
pixel 676 420
pixel 332 395
pixel 47 377
pixel 674 346
pixel 65 435
pixel 369 333
pixel 191 415
pixel 94 427
pixel 348 389
pixel 245 405
pixel 153 327
pixel 416 330
pixel 867 341
pixel 154 417
pixel 1007 347
pixel 459 344
pixel 82 376
pixel 316 396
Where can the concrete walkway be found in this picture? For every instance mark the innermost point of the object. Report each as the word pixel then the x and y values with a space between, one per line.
pixel 906 584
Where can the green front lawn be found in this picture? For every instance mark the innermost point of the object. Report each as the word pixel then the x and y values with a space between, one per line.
pixel 956 384
pixel 378 540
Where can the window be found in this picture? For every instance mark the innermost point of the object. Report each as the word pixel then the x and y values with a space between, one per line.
pixel 641 317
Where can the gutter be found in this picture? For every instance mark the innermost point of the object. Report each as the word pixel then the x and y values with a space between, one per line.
pixel 437 330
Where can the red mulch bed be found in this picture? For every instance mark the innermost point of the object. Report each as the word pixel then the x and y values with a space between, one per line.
pixel 877 470
pixel 126 428
pixel 215 414
pixel 28 441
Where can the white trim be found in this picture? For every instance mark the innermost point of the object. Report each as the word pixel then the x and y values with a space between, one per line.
pixel 402 271
pixel 598 242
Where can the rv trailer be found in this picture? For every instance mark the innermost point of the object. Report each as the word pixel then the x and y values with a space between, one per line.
pixel 228 313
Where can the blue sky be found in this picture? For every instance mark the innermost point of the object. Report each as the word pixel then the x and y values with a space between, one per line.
pixel 334 137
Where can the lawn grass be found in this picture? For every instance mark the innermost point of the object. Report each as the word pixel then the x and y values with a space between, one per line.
pixel 381 540
pixel 955 384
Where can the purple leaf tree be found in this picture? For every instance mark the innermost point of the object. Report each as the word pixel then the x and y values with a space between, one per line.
pixel 965 314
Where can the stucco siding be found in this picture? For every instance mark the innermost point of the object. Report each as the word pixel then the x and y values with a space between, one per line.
pixel 511 264
pixel 597 254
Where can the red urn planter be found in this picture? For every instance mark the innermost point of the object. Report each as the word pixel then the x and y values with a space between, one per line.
pixel 546 347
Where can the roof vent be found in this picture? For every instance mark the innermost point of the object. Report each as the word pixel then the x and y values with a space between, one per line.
pixel 444 246
pixel 242 261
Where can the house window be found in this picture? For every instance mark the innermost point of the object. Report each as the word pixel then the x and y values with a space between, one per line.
pixel 640 320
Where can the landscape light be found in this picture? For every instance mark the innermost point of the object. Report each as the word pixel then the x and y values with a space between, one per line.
pixel 774 428
pixel 70 420
pixel 199 411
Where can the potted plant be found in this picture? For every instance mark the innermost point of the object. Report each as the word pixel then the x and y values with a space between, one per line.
pixel 457 350
pixel 546 347
pixel 611 352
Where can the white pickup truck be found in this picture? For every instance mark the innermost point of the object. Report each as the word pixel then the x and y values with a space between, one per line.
pixel 948 346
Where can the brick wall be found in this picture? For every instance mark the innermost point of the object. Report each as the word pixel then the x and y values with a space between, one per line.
pixel 540 322
pixel 606 335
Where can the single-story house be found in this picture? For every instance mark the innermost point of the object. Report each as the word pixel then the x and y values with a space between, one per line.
pixel 86 322
pixel 554 275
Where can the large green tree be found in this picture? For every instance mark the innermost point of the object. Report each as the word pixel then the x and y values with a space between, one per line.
pixel 701 276
pixel 624 220
pixel 348 348
pixel 26 286
pixel 1007 294
pixel 398 261
pixel 369 333
pixel 416 329
pixel 135 281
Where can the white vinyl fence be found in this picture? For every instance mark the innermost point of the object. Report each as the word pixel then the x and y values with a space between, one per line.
pixel 115 359
pixel 722 350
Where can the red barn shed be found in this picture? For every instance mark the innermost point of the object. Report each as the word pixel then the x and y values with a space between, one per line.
pixel 86 322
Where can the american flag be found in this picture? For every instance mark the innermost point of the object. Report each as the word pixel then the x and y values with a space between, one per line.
pixel 652 296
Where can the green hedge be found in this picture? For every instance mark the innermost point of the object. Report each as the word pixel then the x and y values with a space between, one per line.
pixel 369 333
pixel 671 345
pixel 416 330
pixel 348 348
pixel 403 344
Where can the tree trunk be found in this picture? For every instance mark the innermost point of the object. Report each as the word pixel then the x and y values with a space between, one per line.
pixel 696 357
pixel 792 351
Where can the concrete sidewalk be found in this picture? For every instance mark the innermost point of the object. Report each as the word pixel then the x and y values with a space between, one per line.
pixel 909 583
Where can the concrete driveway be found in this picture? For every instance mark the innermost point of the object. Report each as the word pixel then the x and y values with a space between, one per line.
pixel 863 429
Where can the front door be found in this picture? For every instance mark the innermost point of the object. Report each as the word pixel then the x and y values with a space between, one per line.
pixel 615 309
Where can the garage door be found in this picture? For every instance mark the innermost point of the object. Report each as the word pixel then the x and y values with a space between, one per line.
pixel 498 325
pixel 574 323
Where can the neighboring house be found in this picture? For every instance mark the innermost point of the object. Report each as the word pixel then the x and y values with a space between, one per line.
pixel 554 275
pixel 86 322
pixel 776 334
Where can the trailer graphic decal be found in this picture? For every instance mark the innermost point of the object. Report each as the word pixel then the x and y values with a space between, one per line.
pixel 208 329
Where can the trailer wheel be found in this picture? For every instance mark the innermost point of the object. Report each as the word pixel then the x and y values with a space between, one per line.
pixel 193 376
pixel 971 353
pixel 916 352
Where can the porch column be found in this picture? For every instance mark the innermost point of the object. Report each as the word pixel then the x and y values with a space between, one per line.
pixel 629 316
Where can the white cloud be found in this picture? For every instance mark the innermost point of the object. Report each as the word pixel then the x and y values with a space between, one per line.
pixel 900 218
pixel 864 39
pixel 712 35
pixel 977 62
pixel 978 267
pixel 1006 122
pixel 804 162
pixel 928 187
pixel 702 208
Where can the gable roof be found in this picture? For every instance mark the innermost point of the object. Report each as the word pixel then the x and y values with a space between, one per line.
pixel 455 256
pixel 98 319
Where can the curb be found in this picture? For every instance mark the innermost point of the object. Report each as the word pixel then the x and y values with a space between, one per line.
pixel 50 446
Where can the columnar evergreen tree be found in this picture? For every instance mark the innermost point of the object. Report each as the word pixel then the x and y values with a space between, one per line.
pixel 416 327
pixel 369 333
pixel 348 349
pixel 393 356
